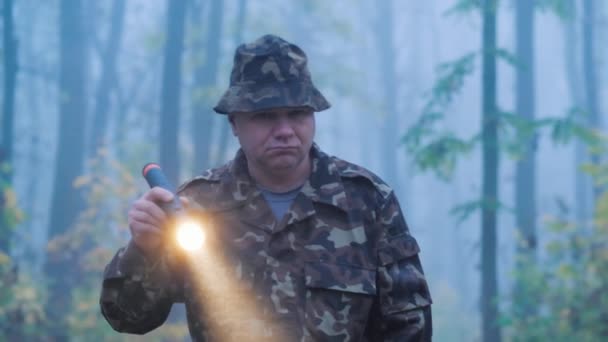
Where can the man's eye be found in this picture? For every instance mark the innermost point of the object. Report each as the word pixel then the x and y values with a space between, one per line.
pixel 299 113
pixel 262 116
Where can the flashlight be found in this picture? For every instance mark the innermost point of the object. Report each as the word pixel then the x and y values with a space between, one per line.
pixel 189 234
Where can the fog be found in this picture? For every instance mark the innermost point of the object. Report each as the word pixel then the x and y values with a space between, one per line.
pixel 87 69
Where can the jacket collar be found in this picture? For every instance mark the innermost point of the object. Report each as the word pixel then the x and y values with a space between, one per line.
pixel 324 185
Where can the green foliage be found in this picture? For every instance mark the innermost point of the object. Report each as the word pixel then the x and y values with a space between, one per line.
pixel 463 211
pixel 568 287
pixel 508 57
pixel 463 7
pixel 516 133
pixel 561 8
pixel 91 243
pixel 10 214
pixel 21 303
pixel 441 154
pixel 430 149
pixel 450 81
pixel 566 129
pixel 21 297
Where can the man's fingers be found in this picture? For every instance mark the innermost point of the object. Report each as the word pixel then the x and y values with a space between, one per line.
pixel 141 229
pixel 138 216
pixel 146 236
pixel 150 208
pixel 146 218
pixel 185 202
pixel 157 194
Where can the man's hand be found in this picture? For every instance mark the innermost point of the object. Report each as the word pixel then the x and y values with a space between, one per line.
pixel 146 219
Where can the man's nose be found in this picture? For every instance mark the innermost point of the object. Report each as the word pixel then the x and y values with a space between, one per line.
pixel 283 128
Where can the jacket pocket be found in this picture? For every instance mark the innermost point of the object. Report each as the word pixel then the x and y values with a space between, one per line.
pixel 339 277
pixel 401 282
pixel 339 299
pixel 398 248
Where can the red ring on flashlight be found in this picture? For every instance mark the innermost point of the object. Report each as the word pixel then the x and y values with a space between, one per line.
pixel 149 167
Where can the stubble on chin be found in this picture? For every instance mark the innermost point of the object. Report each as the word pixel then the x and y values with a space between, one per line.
pixel 283 163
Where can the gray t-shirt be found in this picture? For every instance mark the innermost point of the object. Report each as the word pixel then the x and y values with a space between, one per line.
pixel 279 202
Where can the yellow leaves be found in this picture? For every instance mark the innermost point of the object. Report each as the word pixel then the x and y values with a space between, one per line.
pixel 4 259
pixel 601 212
pixel 26 294
pixel 21 296
pixel 96 259
pixel 10 197
pixel 81 181
pixel 11 212
pixel 565 271
pixel 65 246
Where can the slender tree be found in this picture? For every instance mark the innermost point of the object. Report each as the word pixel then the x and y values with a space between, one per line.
pixel 390 122
pixel 170 107
pixel 490 159
pixel 238 39
pixel 525 179
pixel 170 91
pixel 205 79
pixel 108 78
pixel 590 78
pixel 33 87
pixel 364 55
pixel 582 203
pixel 8 114
pixel 67 201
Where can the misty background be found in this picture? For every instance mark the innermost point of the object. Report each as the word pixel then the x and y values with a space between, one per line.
pixel 93 90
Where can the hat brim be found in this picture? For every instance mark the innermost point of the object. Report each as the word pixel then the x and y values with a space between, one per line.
pixel 252 98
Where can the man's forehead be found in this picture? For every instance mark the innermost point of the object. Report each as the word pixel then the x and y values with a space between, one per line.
pixel 276 110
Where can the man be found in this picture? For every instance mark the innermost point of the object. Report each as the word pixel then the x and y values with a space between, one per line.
pixel 301 246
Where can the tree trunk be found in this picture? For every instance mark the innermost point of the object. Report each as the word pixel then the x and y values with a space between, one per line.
pixel 238 39
pixel 170 91
pixel 489 286
pixel 390 123
pixel 582 182
pixel 525 179
pixel 108 79
pixel 589 73
pixel 170 106
pixel 364 56
pixel 67 201
pixel 32 87
pixel 205 79
pixel 8 114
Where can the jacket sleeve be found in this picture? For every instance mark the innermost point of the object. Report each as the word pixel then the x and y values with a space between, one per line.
pixel 137 292
pixel 404 301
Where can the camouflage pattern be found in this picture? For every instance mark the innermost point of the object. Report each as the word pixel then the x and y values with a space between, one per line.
pixel 269 73
pixel 340 266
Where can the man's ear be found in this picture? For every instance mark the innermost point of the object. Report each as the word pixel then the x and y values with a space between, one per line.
pixel 232 125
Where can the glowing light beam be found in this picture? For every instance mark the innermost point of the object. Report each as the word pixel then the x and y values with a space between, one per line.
pixel 190 236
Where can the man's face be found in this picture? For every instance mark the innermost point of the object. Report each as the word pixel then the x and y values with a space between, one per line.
pixel 276 140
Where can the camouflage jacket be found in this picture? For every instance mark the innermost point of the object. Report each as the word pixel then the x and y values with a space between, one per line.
pixel 340 266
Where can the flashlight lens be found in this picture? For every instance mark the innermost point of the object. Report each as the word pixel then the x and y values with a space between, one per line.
pixel 190 236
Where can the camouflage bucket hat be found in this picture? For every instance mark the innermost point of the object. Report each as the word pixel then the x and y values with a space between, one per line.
pixel 270 73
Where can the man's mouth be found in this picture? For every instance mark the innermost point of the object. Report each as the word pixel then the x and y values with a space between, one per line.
pixel 282 149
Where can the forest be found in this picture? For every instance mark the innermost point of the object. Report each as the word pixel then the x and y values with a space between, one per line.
pixel 487 118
